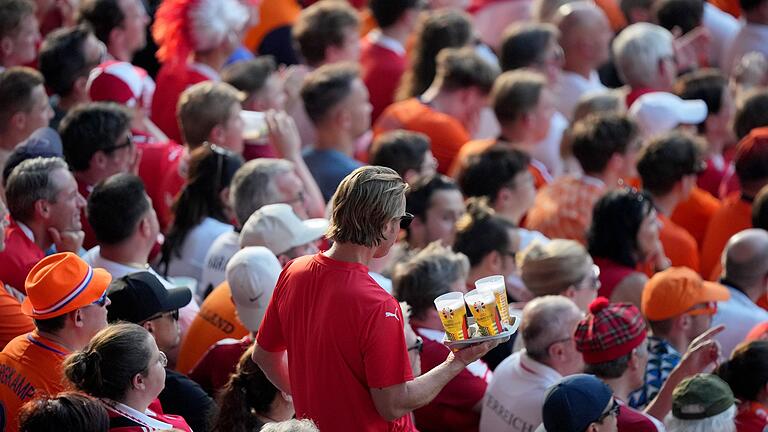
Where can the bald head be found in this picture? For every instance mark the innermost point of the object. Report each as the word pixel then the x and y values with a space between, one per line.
pixel 585 32
pixel 745 259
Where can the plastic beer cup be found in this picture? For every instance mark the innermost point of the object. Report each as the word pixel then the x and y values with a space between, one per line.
pixel 482 304
pixel 499 289
pixel 453 314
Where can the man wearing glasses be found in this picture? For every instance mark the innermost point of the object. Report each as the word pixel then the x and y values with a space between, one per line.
pixel 141 298
pixel 97 144
pixel 679 306
pixel 329 325
pixel 67 299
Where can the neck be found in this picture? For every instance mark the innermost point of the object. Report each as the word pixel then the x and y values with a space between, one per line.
pixel 9 141
pixel 431 321
pixel 515 137
pixel 89 177
pixel 348 252
pixel 665 204
pixel 40 232
pixel 213 59
pixel 136 400
pixel 397 33
pixel 130 253
pixel 578 66
pixel 620 386
pixel 678 341
pixel 333 138
pixel 513 214
pixel 610 179
pixel 121 53
pixel 442 101
pixel 478 272
pixel 71 100
pixel 69 342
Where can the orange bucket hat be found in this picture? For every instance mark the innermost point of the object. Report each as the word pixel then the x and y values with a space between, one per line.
pixel 61 283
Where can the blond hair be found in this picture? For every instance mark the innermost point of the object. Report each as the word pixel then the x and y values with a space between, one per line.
pixel 365 201
pixel 204 106
pixel 551 268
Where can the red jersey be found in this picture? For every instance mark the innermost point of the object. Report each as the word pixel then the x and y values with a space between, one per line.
pixel 344 335
pixel 751 417
pixel 29 365
pixel 123 418
pixel 171 82
pixel 611 274
pixel 19 256
pixel 382 68
pixel 157 160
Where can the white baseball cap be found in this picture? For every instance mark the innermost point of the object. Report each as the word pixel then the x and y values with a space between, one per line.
pixel 252 275
pixel 278 228
pixel 660 112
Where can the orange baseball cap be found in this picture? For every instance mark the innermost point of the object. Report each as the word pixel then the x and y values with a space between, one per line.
pixel 61 283
pixel 675 290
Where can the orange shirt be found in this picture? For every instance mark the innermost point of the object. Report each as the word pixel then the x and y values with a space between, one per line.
pixel 679 245
pixel 735 215
pixel 447 134
pixel 273 14
pixel 563 209
pixel 541 176
pixel 730 6
pixel 613 12
pixel 216 320
pixel 695 213
pixel 14 322
pixel 29 365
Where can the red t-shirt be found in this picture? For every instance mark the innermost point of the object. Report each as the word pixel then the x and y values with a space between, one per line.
pixel 751 417
pixel 630 420
pixel 452 409
pixel 18 258
pixel 171 82
pixel 344 335
pixel 214 369
pixel 159 162
pixel 381 72
pixel 611 274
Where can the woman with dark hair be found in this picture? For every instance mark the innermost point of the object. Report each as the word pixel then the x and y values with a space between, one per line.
pixel 202 211
pixel 747 374
pixel 249 400
pixel 123 367
pixel 623 237
pixel 443 29
pixel 68 411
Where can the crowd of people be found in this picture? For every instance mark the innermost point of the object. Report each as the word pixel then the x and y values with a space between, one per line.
pixel 235 215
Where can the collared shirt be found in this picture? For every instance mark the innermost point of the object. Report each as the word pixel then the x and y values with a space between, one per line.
pixel 21 253
pixel 739 314
pixel 571 87
pixel 662 358
pixel 378 38
pixel 515 397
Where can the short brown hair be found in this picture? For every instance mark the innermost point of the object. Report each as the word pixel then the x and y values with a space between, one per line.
pixel 524 43
pixel 249 76
pixel 516 93
pixel 461 68
pixel 202 107
pixel 322 25
pixel 14 11
pixel 596 138
pixel 366 200
pixel 326 87
pixel 16 85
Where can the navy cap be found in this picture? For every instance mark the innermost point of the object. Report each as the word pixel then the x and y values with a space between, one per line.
pixel 44 142
pixel 574 402
pixel 139 296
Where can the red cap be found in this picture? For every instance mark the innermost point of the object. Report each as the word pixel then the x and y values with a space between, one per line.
pixel 609 331
pixel 121 82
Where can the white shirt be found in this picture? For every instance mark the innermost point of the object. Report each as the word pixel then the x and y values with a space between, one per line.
pixel 723 27
pixel 117 270
pixel 547 151
pixel 752 37
pixel 195 248
pixel 571 87
pixel 215 262
pixel 515 397
pixel 739 314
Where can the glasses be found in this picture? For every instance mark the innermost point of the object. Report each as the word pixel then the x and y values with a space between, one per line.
pixel 101 301
pixel 613 410
pixel 162 359
pixel 174 315
pixel 405 220
pixel 592 280
pixel 709 308
pixel 127 143
pixel 418 346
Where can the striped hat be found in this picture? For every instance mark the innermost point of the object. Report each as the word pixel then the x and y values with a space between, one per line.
pixel 609 331
pixel 61 283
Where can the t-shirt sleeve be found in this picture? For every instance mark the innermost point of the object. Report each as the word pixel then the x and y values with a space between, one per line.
pixel 385 356
pixel 270 336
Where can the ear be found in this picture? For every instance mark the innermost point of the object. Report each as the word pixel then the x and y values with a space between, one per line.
pixel 682 322
pixel 410 175
pixel 6 46
pixel 502 196
pixel 42 208
pixel 144 227
pixel 19 120
pixel 224 196
pixel 149 327
pixel 98 160
pixel 343 118
pixel 494 260
pixel 80 85
pixel 217 134
pixel 116 36
pixel 138 382
pixel 570 292
pixel 78 319
pixel 615 163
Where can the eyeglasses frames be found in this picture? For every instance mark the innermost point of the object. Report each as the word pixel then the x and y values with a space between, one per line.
pixel 613 410
pixel 101 301
pixel 405 220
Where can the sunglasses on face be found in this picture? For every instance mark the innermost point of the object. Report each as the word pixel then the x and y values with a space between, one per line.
pixel 174 315
pixel 612 411
pixel 405 220
pixel 101 301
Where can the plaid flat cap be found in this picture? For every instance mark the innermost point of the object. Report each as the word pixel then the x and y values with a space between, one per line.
pixel 609 331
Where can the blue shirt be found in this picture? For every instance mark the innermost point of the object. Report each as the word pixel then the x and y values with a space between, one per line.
pixel 662 358
pixel 329 167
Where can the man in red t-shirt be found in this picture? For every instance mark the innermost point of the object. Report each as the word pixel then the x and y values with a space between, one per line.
pixel 382 51
pixel 340 330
